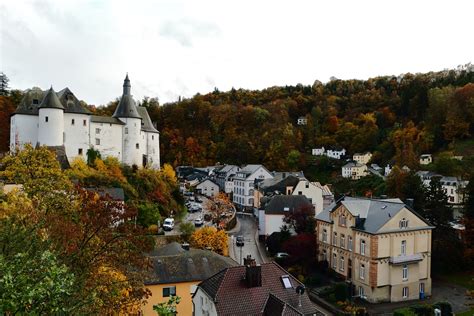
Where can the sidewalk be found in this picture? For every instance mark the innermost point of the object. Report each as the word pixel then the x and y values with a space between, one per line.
pixel 261 249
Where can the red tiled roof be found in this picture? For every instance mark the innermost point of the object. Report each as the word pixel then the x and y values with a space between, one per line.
pixel 232 296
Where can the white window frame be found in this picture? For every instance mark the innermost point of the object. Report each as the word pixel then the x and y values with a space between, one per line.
pixel 349 243
pixel 342 242
pixel 334 238
pixel 361 291
pixel 97 141
pixel 405 272
pixel 403 248
pixel 334 261
pixel 325 235
pixel 341 264
pixel 362 247
pixel 362 272
pixel 405 292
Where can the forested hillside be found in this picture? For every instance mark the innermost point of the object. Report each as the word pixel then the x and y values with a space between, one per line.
pixel 397 118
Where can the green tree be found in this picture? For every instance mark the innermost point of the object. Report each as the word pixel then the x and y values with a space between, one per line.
pixel 4 89
pixel 293 159
pixel 186 229
pixel 167 308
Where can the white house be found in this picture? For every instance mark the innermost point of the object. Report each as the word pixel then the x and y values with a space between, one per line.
pixel 208 188
pixel 225 177
pixel 58 119
pixel 362 158
pixel 302 120
pixel 354 170
pixel 318 151
pixel 387 170
pixel 426 159
pixel 244 182
pixel 336 153
pixel 452 186
pixel 315 193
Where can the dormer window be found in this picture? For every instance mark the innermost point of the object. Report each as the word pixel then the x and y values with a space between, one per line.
pixel 403 223
pixel 286 281
pixel 35 101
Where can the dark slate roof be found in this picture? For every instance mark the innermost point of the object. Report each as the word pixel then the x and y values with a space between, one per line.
pixel 232 297
pixel 147 125
pixel 71 103
pixel 171 264
pixel 61 157
pixel 115 194
pixel 26 105
pixel 278 184
pixel 372 214
pixel 278 203
pixel 106 119
pixel 127 106
pixel 51 101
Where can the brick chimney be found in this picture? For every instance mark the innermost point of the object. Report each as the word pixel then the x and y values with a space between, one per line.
pixel 253 272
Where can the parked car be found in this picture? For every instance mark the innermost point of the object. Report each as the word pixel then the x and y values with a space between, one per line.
pixel 168 224
pixel 240 241
pixel 282 255
pixel 198 221
pixel 198 199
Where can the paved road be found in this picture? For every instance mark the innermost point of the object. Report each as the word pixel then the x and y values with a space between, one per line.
pixel 248 228
pixel 190 217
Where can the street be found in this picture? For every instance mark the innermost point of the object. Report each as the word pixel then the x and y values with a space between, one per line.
pixel 248 229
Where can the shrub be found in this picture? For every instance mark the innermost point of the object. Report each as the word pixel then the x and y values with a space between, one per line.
pixel 340 291
pixel 153 229
pixel 445 307
pixel 422 310
pixel 404 312
pixel 313 280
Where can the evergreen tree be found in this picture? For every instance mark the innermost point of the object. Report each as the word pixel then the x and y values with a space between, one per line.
pixel 437 210
pixel 4 89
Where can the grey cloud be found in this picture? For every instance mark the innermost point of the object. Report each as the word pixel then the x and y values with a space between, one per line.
pixel 185 30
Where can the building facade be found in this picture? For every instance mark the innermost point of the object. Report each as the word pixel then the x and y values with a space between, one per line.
pixel 59 119
pixel 244 183
pixel 354 170
pixel 381 246
pixel 208 188
pixel 362 158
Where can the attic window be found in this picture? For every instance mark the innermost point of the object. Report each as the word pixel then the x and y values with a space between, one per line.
pixel 286 281
pixel 403 223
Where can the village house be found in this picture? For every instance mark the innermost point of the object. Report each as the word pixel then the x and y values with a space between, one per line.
pixel 382 247
pixel 354 170
pixel 252 289
pixel 452 186
pixel 318 151
pixel 177 270
pixel 59 119
pixel 302 120
pixel 244 183
pixel 208 188
pixel 426 159
pixel 336 153
pixel 362 158
pixel 224 177
pixel 320 196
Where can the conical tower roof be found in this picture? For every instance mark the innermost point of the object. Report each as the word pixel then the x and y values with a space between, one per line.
pixel 51 101
pixel 127 106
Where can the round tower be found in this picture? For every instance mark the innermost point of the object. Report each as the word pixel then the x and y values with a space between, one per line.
pixel 127 112
pixel 51 120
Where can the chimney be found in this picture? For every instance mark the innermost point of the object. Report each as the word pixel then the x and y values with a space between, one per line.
pixel 253 272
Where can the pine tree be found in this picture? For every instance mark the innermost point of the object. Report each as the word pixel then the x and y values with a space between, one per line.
pixel 4 89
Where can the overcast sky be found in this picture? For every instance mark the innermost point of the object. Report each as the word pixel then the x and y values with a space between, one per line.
pixel 172 48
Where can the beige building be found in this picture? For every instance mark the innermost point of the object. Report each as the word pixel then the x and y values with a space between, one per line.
pixel 362 158
pixel 380 246
pixel 354 170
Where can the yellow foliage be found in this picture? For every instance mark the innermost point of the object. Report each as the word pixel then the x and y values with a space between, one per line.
pixel 210 237
pixel 169 173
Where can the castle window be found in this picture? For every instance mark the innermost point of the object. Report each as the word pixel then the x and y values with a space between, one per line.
pixel 46 119
pixel 97 141
pixel 72 122
pixel 79 151
pixel 97 130
pixel 137 145
pixel 84 122
pixel 35 101
pixel 152 137
pixel 126 130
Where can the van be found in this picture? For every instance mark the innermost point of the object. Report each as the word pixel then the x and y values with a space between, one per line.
pixel 168 224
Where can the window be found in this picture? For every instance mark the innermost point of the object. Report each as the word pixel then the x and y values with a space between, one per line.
pixel 343 241
pixel 405 272
pixel 349 243
pixel 84 122
pixel 334 261
pixel 286 281
pixel 152 137
pixel 342 220
pixel 72 122
pixel 79 151
pixel 403 249
pixel 126 130
pixel 46 119
pixel 35 101
pixel 403 223
pixel 362 272
pixel 300 192
pixel 325 255
pixel 169 291
pixel 341 264
pixel 362 247
pixel 361 292
pixel 307 185
pixel 325 235
pixel 422 287
pixel 97 141
pixel 334 239
pixel 97 130
pixel 405 292
pixel 137 146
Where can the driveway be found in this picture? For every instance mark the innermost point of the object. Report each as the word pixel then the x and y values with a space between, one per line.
pixel 248 229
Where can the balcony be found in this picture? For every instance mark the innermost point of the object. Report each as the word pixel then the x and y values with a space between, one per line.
pixel 405 259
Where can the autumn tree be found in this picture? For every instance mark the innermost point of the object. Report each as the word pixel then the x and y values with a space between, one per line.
pixel 210 238
pixel 301 219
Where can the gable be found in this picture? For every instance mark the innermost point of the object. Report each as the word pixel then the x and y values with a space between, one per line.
pixel 413 221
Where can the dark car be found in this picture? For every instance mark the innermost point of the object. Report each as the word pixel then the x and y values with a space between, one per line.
pixel 240 241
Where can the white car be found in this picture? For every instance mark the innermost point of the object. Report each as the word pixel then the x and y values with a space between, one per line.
pixel 168 224
pixel 198 222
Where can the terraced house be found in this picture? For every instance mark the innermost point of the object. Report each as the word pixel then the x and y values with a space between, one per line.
pixel 382 247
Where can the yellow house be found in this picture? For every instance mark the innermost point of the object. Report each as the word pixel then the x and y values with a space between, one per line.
pixel 380 246
pixel 178 271
pixel 362 158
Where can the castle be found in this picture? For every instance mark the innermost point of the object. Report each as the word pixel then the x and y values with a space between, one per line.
pixel 58 119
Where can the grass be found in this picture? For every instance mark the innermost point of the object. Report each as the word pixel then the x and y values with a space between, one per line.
pixel 464 147
pixel 464 279
pixel 467 313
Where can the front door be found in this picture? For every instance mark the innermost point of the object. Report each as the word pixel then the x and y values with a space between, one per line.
pixel 349 269
pixel 422 291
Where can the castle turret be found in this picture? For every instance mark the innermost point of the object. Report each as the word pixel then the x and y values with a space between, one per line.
pixel 133 137
pixel 51 120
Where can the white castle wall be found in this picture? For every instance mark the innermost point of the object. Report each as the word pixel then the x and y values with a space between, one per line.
pixel 51 132
pixel 77 135
pixel 23 129
pixel 110 138
pixel 131 137
pixel 153 150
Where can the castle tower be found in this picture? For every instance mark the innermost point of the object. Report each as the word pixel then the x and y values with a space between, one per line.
pixel 132 135
pixel 51 120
